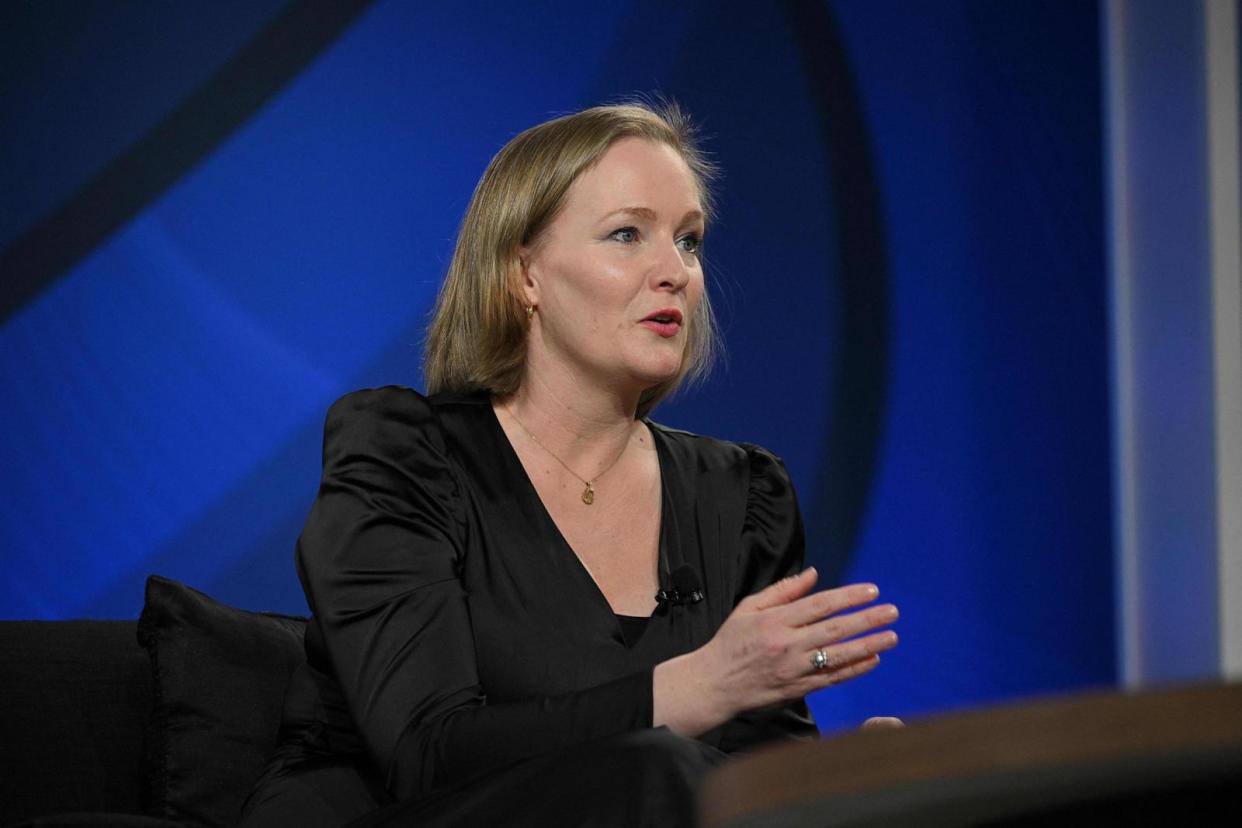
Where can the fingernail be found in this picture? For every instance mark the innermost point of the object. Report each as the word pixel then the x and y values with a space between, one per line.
pixel 873 590
pixel 810 570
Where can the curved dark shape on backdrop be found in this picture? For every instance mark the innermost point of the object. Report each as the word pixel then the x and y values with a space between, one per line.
pixel 860 390
pixel 275 56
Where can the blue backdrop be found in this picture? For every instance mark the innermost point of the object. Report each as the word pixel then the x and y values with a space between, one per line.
pixel 215 223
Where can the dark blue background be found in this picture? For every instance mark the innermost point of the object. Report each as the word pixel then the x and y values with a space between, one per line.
pixel 909 261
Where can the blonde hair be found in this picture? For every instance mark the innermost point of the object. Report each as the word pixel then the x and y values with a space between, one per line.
pixel 477 338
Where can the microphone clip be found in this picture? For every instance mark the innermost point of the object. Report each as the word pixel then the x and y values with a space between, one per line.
pixel 676 598
pixel 687 588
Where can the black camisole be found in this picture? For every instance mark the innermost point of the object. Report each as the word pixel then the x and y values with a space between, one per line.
pixel 633 627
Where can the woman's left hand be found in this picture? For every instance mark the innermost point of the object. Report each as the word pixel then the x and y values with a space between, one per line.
pixel 779 644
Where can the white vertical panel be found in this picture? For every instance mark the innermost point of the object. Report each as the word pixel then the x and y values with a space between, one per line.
pixel 1171 89
pixel 1226 218
pixel 1125 532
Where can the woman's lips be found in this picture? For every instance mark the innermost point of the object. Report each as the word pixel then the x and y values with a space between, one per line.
pixel 666 322
pixel 665 329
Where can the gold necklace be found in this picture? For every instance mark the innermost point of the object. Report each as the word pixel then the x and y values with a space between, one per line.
pixel 588 492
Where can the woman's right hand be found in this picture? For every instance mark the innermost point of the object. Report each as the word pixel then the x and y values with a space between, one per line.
pixel 763 653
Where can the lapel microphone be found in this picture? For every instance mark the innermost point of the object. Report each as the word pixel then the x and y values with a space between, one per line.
pixel 687 588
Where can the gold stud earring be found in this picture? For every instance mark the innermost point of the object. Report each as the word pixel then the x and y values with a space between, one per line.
pixel 530 312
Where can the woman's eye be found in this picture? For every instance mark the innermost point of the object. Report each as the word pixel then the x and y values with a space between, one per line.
pixel 625 234
pixel 691 243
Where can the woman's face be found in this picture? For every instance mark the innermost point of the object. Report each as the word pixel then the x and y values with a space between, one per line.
pixel 616 276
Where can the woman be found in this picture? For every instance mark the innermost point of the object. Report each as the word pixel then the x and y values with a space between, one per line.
pixel 532 605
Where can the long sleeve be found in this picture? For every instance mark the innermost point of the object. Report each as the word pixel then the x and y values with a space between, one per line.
pixel 773 547
pixel 379 559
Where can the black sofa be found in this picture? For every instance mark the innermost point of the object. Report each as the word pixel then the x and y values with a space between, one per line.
pixel 165 721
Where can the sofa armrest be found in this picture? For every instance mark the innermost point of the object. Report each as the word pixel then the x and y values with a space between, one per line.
pixel 74 703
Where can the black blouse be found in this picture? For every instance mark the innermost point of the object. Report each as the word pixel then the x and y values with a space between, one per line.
pixel 455 631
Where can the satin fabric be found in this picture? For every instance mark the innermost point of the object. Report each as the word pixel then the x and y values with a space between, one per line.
pixel 456 637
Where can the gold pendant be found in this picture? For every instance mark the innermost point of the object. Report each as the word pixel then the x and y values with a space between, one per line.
pixel 588 495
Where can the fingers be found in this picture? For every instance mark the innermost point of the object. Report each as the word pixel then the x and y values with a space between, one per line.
pixel 843 662
pixel 801 608
pixel 783 591
pixel 859 649
pixel 883 723
pixel 812 608
pixel 839 675
pixel 841 627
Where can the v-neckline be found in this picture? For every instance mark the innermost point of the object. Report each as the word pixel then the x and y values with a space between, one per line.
pixel 540 511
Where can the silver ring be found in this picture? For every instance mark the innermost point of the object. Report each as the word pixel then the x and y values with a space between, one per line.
pixel 819 661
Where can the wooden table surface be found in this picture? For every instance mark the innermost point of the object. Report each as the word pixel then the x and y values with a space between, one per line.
pixel 1178 749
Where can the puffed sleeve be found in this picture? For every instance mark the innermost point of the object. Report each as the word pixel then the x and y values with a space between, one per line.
pixel 773 547
pixel 379 561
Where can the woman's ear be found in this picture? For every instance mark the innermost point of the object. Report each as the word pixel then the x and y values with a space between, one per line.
pixel 525 277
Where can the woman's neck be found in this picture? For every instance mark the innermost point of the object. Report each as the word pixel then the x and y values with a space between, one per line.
pixel 583 427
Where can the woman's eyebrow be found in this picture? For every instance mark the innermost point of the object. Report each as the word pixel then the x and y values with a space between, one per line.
pixel 649 214
pixel 639 212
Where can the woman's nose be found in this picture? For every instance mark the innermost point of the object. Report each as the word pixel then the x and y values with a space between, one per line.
pixel 671 271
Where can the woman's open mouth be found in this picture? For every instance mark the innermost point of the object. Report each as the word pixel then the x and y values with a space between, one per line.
pixel 666 322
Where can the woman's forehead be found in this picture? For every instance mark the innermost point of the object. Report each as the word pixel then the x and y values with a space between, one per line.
pixel 638 175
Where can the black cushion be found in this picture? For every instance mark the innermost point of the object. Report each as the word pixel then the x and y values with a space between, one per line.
pixel 220 676
pixel 75 697
pixel 97 820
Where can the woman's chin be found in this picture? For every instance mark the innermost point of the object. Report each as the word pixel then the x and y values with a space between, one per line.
pixel 649 376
